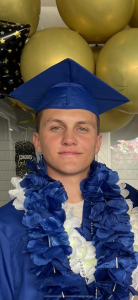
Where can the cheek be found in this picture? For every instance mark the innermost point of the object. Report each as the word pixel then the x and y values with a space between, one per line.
pixel 49 143
pixel 89 144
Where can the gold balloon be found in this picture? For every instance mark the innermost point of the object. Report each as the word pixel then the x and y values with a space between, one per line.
pixel 96 20
pixel 50 46
pixel 117 65
pixel 113 120
pixel 21 11
pixel 134 20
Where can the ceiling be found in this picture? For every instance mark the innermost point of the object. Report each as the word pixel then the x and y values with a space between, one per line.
pixel 48 2
pixel 49 16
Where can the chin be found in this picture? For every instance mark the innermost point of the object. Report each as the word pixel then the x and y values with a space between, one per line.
pixel 72 171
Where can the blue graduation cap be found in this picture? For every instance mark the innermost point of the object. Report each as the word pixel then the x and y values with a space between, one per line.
pixel 67 85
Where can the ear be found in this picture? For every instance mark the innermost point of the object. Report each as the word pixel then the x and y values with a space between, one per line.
pixel 98 143
pixel 36 142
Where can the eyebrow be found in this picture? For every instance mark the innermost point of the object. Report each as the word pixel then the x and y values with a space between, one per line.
pixel 61 122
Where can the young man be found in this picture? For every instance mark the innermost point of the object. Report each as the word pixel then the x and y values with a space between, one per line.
pixel 67 233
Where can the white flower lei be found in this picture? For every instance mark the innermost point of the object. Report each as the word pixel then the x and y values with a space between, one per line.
pixel 82 260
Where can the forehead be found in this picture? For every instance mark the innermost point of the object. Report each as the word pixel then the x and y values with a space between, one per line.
pixel 71 115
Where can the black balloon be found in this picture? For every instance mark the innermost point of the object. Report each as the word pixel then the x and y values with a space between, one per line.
pixel 12 40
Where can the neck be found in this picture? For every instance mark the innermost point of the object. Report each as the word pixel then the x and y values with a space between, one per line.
pixel 73 190
pixel 71 184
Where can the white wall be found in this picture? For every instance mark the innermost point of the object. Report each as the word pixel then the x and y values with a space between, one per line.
pixel 7 153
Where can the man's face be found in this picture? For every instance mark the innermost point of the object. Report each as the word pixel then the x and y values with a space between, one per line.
pixel 68 140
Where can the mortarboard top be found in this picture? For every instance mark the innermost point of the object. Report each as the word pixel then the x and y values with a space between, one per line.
pixel 68 85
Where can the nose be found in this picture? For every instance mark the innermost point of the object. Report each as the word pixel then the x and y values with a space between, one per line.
pixel 69 138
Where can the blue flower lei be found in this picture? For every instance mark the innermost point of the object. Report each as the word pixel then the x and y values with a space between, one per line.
pixel 105 223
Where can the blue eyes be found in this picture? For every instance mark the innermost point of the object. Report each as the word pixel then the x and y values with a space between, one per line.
pixel 56 128
pixel 82 129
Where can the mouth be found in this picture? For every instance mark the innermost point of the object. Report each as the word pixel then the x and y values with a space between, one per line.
pixel 73 153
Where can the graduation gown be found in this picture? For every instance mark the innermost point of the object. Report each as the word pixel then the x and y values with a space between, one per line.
pixel 16 280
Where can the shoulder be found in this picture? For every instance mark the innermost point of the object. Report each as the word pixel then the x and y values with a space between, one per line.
pixel 11 221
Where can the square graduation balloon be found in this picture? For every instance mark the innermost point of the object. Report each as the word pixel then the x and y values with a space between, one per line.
pixel 68 85
pixel 12 41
